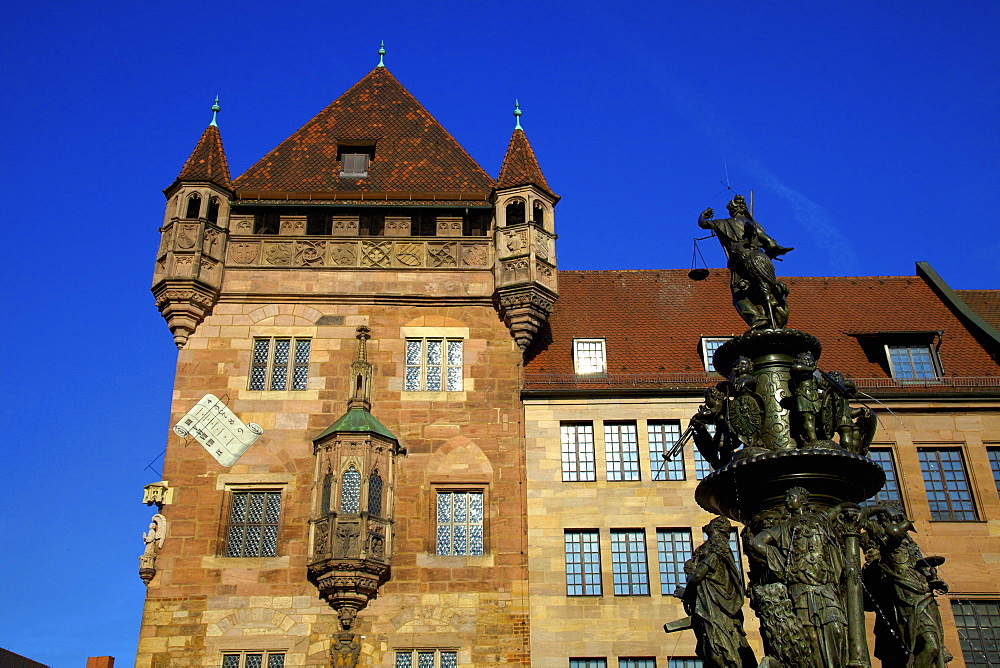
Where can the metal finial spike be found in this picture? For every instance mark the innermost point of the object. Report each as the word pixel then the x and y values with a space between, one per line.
pixel 215 111
pixel 517 115
pixel 381 54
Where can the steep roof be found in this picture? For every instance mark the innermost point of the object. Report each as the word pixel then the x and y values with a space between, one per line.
pixel 413 153
pixel 653 321
pixel 207 161
pixel 986 304
pixel 520 166
pixel 357 420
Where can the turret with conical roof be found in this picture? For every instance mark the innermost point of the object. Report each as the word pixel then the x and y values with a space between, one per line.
pixel 525 267
pixel 189 263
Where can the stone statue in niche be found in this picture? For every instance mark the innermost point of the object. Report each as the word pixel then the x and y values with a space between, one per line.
pixel 376 543
pixel 901 584
pixel 758 296
pixel 347 540
pixel 152 540
pixel 713 597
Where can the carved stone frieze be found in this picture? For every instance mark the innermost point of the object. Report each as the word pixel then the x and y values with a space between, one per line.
pixel 441 255
pixel 310 253
pixel 187 237
pixel 277 253
pixel 345 226
pixel 376 254
pixel 241 224
pixel 344 255
pixel 475 256
pixel 212 244
pixel 292 226
pixel 397 226
pixel 410 254
pixel 244 252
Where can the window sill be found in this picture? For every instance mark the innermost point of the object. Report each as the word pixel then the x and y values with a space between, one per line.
pixel 423 395
pixel 279 394
pixel 428 560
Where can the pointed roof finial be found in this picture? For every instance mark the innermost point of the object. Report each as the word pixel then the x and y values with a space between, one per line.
pixel 381 54
pixel 215 110
pixel 517 115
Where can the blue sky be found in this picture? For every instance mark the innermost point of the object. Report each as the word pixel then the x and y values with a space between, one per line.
pixel 867 131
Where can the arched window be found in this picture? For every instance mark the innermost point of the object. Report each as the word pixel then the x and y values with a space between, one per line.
pixel 359 388
pixel 350 491
pixel 515 212
pixel 213 210
pixel 194 206
pixel 324 507
pixel 538 213
pixel 375 493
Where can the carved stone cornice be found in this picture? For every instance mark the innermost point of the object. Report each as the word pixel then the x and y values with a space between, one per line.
pixel 524 310
pixel 183 303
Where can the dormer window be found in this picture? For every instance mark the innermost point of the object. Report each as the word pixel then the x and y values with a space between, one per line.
pixel 709 344
pixel 354 158
pixel 588 356
pixel 912 361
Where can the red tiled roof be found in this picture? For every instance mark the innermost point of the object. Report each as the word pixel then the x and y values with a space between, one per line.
pixel 520 167
pixel 653 321
pixel 208 160
pixel 986 304
pixel 413 153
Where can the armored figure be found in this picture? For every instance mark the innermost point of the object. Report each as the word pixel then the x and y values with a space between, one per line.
pixel 807 396
pixel 345 651
pixel 713 597
pixel 717 448
pixel 758 296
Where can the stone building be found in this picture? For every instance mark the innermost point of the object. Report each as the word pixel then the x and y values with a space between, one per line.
pixel 428 489
pixel 626 357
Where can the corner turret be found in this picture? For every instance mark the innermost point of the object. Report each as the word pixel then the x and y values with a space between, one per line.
pixel 524 210
pixel 189 263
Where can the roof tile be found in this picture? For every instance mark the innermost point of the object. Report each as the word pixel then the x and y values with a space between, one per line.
pixel 208 160
pixel 520 167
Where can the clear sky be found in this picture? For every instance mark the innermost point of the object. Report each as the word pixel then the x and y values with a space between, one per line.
pixel 867 131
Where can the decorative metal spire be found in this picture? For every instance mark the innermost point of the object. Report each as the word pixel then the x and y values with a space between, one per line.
pixel 517 115
pixel 361 372
pixel 381 54
pixel 215 111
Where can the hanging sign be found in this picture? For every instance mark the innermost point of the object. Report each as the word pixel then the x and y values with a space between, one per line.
pixel 219 431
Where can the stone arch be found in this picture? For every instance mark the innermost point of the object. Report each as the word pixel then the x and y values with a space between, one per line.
pixel 430 616
pixel 304 315
pixel 459 455
pixel 515 211
pixel 255 618
pixel 193 205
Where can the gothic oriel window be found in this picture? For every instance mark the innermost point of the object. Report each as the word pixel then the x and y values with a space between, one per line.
pixel 515 212
pixel 538 213
pixel 213 210
pixel 375 494
pixel 193 206
pixel 253 524
pixel 460 518
pixel 279 364
pixel 433 365
pixel 350 491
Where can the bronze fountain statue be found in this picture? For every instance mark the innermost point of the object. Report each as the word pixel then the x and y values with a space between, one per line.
pixel 789 457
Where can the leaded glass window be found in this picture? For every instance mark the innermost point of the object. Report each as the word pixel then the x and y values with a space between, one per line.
pixel 460 523
pixel 589 356
pixel 350 491
pixel 433 365
pixel 662 436
pixel 947 485
pixel 621 449
pixel 673 547
pixel 628 562
pixel 279 364
pixel 890 491
pixel 978 624
pixel 375 494
pixel 253 659
pixel 994 455
pixel 583 564
pixel 912 362
pixel 577 451
pixel 253 524
pixel 426 658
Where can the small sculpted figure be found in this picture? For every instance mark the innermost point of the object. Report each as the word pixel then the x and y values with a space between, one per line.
pixel 758 296
pixel 807 396
pixel 713 597
pixel 902 584
pixel 803 553
pixel 786 638
pixel 345 650
pixel 717 448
